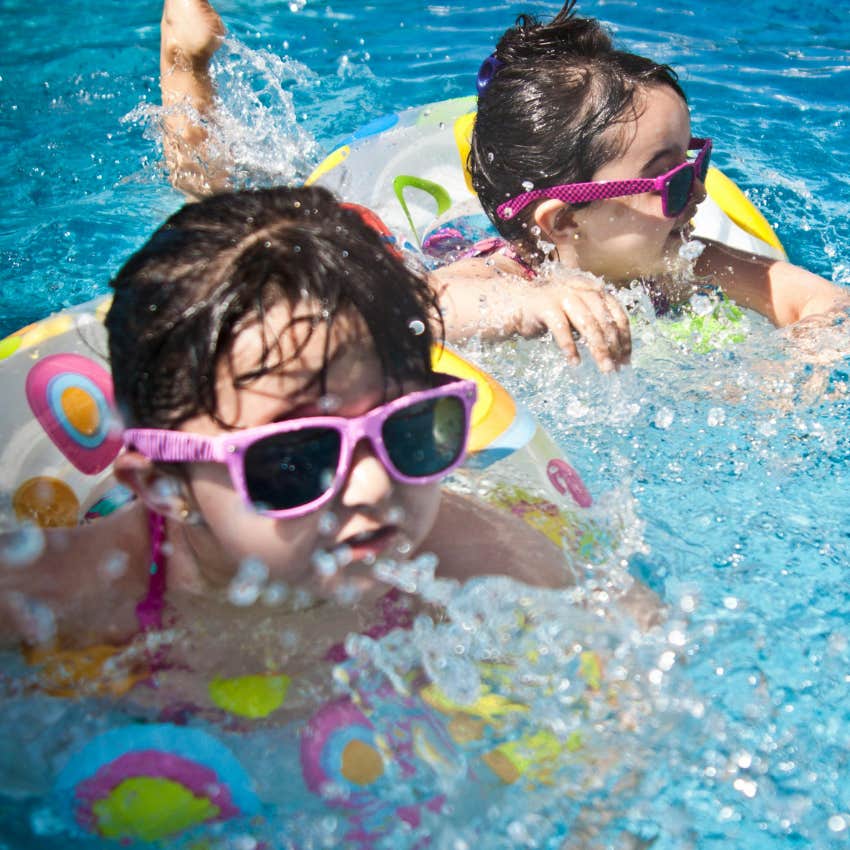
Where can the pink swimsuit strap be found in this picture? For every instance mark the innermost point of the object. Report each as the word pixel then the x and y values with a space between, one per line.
pixel 495 245
pixel 149 610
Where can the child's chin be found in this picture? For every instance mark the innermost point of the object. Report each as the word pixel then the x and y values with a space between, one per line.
pixel 355 584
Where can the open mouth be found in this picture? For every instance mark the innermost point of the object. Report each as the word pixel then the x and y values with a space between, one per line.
pixel 367 545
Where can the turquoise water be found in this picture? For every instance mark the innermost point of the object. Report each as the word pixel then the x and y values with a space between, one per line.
pixel 730 466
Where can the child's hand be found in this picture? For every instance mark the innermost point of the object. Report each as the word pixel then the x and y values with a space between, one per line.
pixel 580 306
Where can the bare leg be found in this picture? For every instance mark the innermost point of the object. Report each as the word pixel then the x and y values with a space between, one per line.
pixel 191 31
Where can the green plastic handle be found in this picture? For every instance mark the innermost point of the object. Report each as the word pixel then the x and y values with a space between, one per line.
pixel 435 190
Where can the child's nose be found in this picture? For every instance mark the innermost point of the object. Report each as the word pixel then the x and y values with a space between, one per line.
pixel 367 482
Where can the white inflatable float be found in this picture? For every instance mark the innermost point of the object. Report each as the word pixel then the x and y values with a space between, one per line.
pixel 410 168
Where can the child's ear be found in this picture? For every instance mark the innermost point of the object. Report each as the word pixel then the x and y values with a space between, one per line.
pixel 162 493
pixel 555 220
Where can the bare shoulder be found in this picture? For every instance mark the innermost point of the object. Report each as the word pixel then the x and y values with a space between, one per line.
pixel 472 538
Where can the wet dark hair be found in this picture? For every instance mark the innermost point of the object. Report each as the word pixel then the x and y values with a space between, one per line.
pixel 218 265
pixel 543 112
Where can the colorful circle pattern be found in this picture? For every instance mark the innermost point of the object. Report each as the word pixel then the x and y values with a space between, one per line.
pixel 71 397
pixel 149 782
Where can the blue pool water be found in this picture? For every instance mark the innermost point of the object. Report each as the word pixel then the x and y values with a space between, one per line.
pixel 731 467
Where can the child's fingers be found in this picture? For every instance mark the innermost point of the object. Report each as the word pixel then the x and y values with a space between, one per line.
pixel 624 328
pixel 584 311
pixel 613 323
pixel 562 332
pixel 591 318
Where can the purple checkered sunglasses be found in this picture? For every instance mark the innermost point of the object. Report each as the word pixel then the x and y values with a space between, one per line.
pixel 288 469
pixel 676 186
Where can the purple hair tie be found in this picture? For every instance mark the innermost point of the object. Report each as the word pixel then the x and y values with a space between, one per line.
pixel 487 71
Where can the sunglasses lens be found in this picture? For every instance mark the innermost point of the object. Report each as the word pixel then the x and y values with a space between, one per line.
pixel 291 470
pixel 679 191
pixel 426 438
pixel 703 166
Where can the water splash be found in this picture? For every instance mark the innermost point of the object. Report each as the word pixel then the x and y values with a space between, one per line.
pixel 254 127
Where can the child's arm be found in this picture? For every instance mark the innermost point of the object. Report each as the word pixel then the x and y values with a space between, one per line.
pixel 191 31
pixel 783 292
pixel 80 588
pixel 472 538
pixel 488 297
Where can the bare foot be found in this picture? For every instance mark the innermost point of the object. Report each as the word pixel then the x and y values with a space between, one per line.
pixel 191 32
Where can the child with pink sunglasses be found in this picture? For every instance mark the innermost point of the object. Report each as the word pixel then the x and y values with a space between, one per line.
pixel 583 158
pixel 583 155
pixel 272 361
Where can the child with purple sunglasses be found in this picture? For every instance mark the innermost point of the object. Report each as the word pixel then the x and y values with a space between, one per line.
pixel 272 361
pixel 582 154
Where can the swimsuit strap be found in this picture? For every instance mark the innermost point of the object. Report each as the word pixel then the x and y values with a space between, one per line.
pixel 495 245
pixel 149 610
pixel 393 610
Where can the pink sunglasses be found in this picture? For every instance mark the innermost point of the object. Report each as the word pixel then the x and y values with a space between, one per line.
pixel 676 187
pixel 291 468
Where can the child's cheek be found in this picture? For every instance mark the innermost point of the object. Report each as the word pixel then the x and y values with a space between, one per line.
pixel 422 506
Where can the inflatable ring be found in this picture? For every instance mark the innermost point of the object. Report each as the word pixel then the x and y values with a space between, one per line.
pixel 148 782
pixel 410 168
pixel 56 461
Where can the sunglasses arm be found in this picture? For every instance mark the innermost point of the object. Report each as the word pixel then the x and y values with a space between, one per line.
pixel 174 446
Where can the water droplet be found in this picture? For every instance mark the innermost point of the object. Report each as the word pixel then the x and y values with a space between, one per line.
pixel 746 786
pixel 22 545
pixel 716 417
pixel 395 515
pixel 837 823
pixel 324 563
pixel 248 583
pixel 303 599
pixel 276 593
pixel 329 403
pixel 664 418
pixel 347 594
pixel 34 618
pixel 114 565
pixel 343 555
